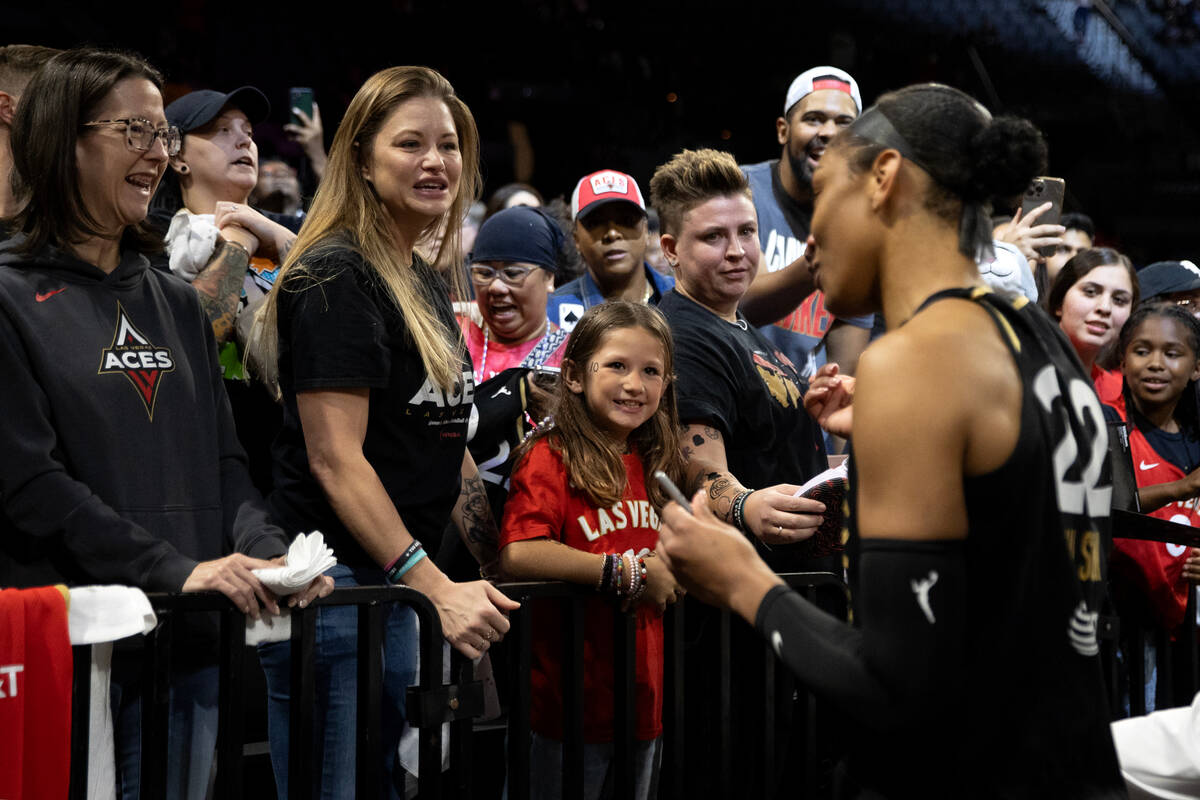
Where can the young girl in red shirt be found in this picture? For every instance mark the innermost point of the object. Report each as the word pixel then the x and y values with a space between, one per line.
pixel 581 509
pixel 1160 352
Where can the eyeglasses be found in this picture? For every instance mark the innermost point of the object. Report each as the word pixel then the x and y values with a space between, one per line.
pixel 513 276
pixel 141 133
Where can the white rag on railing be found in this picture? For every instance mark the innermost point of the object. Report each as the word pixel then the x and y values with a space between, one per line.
pixel 99 615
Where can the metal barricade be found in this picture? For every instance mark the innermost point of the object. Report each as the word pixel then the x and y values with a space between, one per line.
pixel 1177 662
pixel 432 702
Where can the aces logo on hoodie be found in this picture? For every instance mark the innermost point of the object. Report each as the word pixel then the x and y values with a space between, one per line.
pixel 131 354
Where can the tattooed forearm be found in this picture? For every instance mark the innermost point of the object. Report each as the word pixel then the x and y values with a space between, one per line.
pixel 722 489
pixel 219 285
pixel 476 524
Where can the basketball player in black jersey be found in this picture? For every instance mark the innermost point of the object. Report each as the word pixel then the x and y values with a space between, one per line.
pixel 979 485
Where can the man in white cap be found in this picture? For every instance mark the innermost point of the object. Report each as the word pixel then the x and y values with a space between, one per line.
pixel 819 103
pixel 610 232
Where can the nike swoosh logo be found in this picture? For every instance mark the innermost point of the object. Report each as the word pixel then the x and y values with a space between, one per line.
pixel 42 297
pixel 1144 465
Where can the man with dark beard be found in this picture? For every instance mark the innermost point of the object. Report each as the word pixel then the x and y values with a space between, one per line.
pixel 819 103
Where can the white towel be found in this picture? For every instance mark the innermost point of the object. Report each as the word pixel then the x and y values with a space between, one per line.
pixel 99 615
pixel 307 558
pixel 191 240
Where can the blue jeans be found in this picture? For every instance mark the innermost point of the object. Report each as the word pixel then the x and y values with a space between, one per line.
pixel 191 729
pixel 336 681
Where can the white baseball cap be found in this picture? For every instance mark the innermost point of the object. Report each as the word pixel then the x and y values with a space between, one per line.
pixel 818 78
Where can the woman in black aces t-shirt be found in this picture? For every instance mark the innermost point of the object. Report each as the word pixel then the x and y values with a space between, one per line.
pixel 377 394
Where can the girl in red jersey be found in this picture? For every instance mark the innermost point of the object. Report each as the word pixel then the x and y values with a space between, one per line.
pixel 1160 350
pixel 581 509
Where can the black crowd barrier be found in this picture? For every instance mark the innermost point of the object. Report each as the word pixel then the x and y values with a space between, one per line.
pixel 776 723
pixel 1176 652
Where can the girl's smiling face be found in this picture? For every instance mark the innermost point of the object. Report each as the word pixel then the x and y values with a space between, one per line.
pixel 1158 363
pixel 623 382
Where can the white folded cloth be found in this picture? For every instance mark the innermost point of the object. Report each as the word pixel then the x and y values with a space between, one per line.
pixel 191 240
pixel 98 615
pixel 307 558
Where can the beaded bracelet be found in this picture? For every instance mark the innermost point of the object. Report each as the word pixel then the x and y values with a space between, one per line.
pixel 411 556
pixel 640 573
pixel 620 563
pixel 738 509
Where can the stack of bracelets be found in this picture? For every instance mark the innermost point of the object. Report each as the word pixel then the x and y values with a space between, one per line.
pixel 411 556
pixel 612 578
pixel 737 516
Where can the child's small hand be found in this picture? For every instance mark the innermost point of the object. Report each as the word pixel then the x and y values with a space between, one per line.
pixel 661 586
pixel 1191 567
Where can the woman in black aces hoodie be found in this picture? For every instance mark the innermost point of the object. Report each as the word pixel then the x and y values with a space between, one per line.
pixel 118 457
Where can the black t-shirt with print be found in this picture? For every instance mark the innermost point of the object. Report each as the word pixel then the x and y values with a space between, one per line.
pixel 339 329
pixel 733 379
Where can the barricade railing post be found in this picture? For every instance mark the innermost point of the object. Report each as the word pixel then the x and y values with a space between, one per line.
pixel 462 749
pixel 572 678
pixel 231 705
pixel 81 704
pixel 724 703
pixel 429 757
pixel 674 712
pixel 156 696
pixel 301 766
pixel 624 691
pixel 369 751
pixel 519 699
pixel 768 765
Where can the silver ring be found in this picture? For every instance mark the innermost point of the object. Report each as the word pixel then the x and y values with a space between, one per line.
pixel 780 529
pixel 491 636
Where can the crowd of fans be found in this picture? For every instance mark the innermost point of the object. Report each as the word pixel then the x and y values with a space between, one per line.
pixel 451 390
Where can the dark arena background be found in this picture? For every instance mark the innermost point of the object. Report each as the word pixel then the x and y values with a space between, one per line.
pixel 561 88
pixel 1113 83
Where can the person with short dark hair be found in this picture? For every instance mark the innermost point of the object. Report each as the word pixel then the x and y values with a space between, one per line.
pixel 746 436
pixel 609 215
pixel 18 63
pixel 820 102
pixel 975 553
pixel 1079 234
pixel 118 457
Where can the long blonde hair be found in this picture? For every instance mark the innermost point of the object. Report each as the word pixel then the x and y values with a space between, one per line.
pixel 347 210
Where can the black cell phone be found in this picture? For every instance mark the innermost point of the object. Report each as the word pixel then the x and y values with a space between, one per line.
pixel 1042 190
pixel 672 490
pixel 300 97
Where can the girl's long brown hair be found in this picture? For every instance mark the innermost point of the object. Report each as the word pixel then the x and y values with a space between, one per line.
pixel 592 459
pixel 347 211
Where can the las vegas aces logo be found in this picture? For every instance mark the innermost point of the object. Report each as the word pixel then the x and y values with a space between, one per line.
pixel 143 364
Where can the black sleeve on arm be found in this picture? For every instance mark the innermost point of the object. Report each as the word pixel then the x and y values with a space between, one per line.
pixel 904 660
